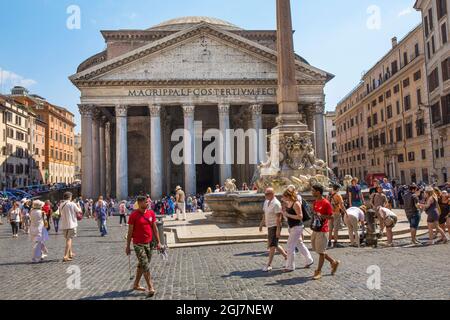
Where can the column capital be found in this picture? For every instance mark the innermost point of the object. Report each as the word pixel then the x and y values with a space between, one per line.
pixel 256 110
pixel 188 111
pixel 319 107
pixel 121 111
pixel 224 109
pixel 86 110
pixel 155 110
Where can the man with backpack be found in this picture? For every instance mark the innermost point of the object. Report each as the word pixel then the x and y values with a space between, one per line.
pixel 338 207
pixel 319 238
pixel 411 206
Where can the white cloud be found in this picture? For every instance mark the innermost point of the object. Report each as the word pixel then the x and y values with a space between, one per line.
pixel 405 12
pixel 11 79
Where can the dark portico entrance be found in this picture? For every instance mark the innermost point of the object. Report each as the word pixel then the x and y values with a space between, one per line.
pixel 208 175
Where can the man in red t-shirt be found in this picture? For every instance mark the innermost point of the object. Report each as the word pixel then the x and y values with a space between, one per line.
pixel 141 228
pixel 319 239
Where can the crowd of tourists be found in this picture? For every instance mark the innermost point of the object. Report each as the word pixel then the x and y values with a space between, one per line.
pixel 326 217
pixel 330 212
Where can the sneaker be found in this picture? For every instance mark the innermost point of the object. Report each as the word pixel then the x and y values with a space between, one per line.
pixel 44 256
pixel 317 275
pixel 309 265
pixel 267 269
pixel 334 267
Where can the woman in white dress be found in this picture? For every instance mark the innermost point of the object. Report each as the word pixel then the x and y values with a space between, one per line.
pixel 38 232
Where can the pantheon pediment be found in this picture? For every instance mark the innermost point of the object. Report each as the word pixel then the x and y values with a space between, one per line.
pixel 201 52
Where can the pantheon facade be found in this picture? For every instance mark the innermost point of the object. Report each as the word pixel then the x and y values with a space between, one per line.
pixel 148 83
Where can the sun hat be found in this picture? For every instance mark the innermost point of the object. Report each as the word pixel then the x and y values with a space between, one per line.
pixel 38 204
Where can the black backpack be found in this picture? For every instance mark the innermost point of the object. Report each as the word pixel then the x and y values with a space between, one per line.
pixel 306 210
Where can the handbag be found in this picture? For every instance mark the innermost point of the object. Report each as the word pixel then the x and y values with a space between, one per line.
pixel 317 224
pixel 306 210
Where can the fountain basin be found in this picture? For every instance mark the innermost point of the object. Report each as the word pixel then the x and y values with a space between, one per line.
pixel 245 208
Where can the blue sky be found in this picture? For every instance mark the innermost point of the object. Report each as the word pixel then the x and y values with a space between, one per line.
pixel 40 52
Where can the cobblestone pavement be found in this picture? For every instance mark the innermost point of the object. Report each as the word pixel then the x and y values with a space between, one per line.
pixel 215 272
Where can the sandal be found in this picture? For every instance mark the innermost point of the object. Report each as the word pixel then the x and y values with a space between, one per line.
pixel 151 293
pixel 67 260
pixel 139 288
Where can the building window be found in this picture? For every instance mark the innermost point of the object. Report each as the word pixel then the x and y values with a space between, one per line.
pixel 445 69
pixel 419 97
pixel 380 99
pixel 396 89
pixel 441 6
pixel 376 141
pixel 436 112
pixel 399 133
pixel 409 130
pixel 369 122
pixel 391 136
pixel 388 94
pixel 433 45
pixel 425 22
pixel 433 79
pixel 389 111
pixel 411 156
pixel 400 158
pixel 375 119
pixel 394 67
pixel 417 50
pixel 383 138
pixel 424 154
pixel 444 33
pixel 420 126
pixel 406 83
pixel 445 102
pixel 428 50
pixel 417 75
pixel 430 17
pixel 407 102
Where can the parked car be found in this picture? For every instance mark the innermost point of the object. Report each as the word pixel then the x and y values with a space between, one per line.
pixel 8 195
pixel 19 193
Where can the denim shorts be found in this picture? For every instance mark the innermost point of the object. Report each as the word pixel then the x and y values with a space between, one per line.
pixel 414 221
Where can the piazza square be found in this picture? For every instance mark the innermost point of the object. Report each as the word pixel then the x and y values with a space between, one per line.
pixel 226 156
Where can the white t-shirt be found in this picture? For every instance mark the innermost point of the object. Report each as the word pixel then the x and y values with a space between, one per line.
pixel 68 211
pixel 385 212
pixel 271 210
pixel 356 212
pixel 15 215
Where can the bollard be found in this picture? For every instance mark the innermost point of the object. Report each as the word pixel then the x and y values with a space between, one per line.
pixel 371 235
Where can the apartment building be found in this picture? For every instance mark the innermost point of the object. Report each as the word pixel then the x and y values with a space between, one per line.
pixel 383 127
pixel 330 132
pixel 59 142
pixel 15 159
pixel 436 22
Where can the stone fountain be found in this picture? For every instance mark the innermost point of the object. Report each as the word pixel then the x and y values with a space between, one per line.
pixel 292 159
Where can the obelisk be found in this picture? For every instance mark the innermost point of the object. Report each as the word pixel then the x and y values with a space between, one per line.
pixel 287 95
pixel 284 162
